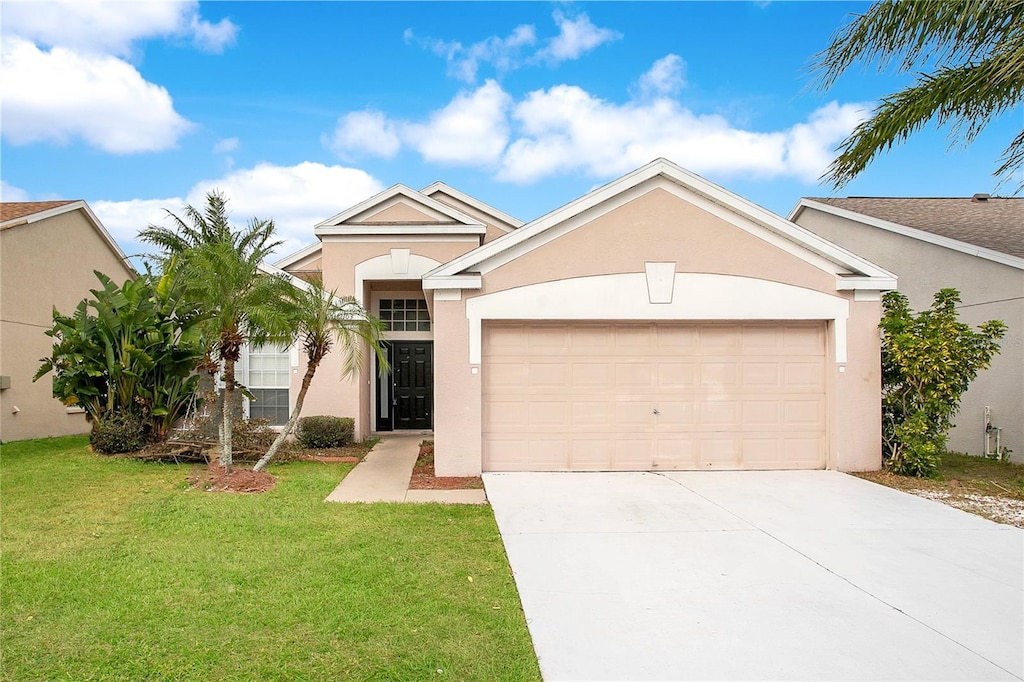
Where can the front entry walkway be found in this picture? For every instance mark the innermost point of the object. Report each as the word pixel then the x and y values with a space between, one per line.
pixel 785 575
pixel 383 476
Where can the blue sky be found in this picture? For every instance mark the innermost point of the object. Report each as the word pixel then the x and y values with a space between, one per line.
pixel 299 110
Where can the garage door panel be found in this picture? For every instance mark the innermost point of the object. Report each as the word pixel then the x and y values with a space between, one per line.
pixel 631 454
pixel 723 413
pixel 719 375
pixel 761 412
pixel 677 338
pixel 587 374
pixel 803 452
pixel 504 375
pixel 722 453
pixel 632 414
pixel 674 454
pixel 676 376
pixel 720 338
pixel 761 374
pixel 591 413
pixel 681 414
pixel 642 396
pixel 592 454
pixel 548 338
pixel 802 413
pixel 807 375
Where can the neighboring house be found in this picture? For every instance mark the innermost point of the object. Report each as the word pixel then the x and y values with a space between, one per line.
pixel 975 245
pixel 659 322
pixel 48 252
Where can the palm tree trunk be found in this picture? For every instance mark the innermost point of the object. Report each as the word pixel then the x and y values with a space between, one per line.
pixel 292 419
pixel 229 394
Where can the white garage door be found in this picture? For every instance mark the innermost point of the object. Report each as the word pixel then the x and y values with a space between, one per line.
pixel 653 396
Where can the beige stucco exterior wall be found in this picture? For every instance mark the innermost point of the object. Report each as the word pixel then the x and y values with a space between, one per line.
pixel 400 212
pixel 857 444
pixel 350 397
pixel 657 226
pixel 457 385
pixel 989 290
pixel 44 265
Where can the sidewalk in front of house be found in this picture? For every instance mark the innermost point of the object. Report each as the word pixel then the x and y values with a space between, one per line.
pixel 383 476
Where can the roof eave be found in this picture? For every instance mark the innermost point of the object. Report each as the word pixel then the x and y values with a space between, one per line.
pixel 912 232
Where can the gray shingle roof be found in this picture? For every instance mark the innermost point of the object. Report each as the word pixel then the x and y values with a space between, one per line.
pixel 996 224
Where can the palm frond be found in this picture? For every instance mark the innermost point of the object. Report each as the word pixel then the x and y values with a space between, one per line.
pixel 966 98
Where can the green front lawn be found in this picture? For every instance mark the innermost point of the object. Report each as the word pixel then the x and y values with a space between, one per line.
pixel 113 569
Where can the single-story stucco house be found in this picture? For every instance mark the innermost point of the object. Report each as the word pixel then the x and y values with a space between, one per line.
pixel 972 244
pixel 48 252
pixel 658 322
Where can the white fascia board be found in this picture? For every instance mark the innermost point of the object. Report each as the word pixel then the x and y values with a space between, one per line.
pixel 390 193
pixel 89 215
pixel 912 232
pixel 475 203
pixel 431 282
pixel 297 282
pixel 300 255
pixel 689 181
pixel 378 238
pixel 391 230
pixel 866 283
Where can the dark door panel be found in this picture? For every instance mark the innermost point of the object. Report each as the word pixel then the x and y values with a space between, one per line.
pixel 412 366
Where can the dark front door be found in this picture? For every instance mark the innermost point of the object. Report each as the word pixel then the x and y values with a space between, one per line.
pixel 410 387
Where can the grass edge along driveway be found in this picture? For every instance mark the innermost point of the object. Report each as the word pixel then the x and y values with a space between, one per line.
pixel 114 569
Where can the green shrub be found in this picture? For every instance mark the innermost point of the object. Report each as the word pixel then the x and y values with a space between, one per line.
pixel 117 433
pixel 325 432
pixel 916 448
pixel 929 359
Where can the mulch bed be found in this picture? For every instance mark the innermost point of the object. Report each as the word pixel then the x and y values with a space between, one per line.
pixel 241 479
pixel 423 477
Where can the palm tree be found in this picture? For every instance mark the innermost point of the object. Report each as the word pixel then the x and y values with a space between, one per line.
pixel 320 319
pixel 976 51
pixel 221 270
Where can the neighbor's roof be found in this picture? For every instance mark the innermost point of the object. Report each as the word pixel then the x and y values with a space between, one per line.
pixel 12 210
pixel 996 223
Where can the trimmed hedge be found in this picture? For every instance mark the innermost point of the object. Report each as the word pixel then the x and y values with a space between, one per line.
pixel 324 431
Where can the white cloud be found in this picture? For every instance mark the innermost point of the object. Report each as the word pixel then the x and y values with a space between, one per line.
pixel 225 146
pixel 811 145
pixel 124 219
pixel 472 129
pixel 464 62
pixel 59 95
pixel 576 36
pixel 667 76
pixel 112 27
pixel 295 197
pixel 66 77
pixel 364 132
pixel 12 193
pixel 566 129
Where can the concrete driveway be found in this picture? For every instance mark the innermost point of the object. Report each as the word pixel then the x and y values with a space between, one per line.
pixel 758 575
